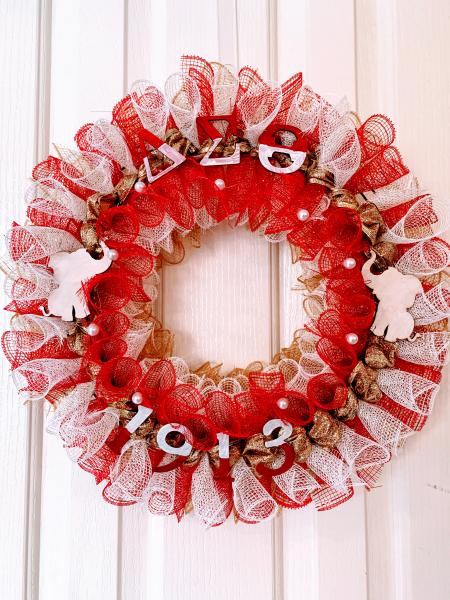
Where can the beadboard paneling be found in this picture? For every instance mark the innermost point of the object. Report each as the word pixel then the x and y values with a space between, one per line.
pixel 79 532
pixel 231 301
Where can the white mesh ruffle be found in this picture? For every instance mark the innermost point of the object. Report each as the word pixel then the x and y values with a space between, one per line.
pixel 433 305
pixel 184 100
pixel 258 107
pixel 386 429
pixel 425 258
pixel 305 110
pixel 407 389
pixel 29 282
pixel 151 106
pixel 107 139
pixel 130 474
pixel 225 86
pixel 339 149
pixel 329 467
pixel 136 337
pixel 424 219
pixel 31 243
pixel 87 169
pixel 429 349
pixel 73 403
pixel 296 483
pixel 52 198
pixel 401 190
pixel 42 329
pixel 360 452
pixel 86 433
pixel 252 501
pixel 208 502
pixel 161 491
pixel 43 374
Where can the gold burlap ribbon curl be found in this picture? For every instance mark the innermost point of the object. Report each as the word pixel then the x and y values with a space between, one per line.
pixel 178 142
pixel 349 409
pixel 301 444
pixel 255 451
pixel 326 430
pixel 379 354
pixel 363 380
pixel 314 173
pixel 76 338
pixel 225 148
pixel 159 344
pixel 371 221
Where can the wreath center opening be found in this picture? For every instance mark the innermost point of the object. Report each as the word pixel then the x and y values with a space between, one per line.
pixel 218 302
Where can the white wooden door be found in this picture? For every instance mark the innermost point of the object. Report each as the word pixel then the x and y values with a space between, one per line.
pixel 64 63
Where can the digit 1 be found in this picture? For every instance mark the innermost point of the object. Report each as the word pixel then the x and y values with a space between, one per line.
pixel 223 469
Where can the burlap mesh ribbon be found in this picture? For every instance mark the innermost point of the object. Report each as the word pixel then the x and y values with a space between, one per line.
pixel 326 430
pixel 379 354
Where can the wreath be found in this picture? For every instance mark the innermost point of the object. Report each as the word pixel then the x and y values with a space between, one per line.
pixel 329 410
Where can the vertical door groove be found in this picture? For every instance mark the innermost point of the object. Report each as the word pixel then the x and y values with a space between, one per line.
pixel 36 410
pixel 275 306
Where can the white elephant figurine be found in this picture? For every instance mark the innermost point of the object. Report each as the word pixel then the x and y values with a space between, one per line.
pixel 396 293
pixel 70 271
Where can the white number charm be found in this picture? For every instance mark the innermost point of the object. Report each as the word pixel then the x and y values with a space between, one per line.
pixel 285 432
pixel 183 450
pixel 140 417
pixel 279 442
pixel 296 152
pixel 224 445
pixel 175 157
pixel 204 123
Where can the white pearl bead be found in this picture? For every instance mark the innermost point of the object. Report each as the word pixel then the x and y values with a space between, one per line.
pixel 283 403
pixel 137 398
pixel 92 329
pixel 352 338
pixel 220 183
pixel 112 254
pixel 139 186
pixel 303 214
pixel 349 263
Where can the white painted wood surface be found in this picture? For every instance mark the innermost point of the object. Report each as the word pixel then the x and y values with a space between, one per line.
pixel 66 63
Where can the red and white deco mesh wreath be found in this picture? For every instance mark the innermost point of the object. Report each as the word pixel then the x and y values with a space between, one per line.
pixel 328 411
